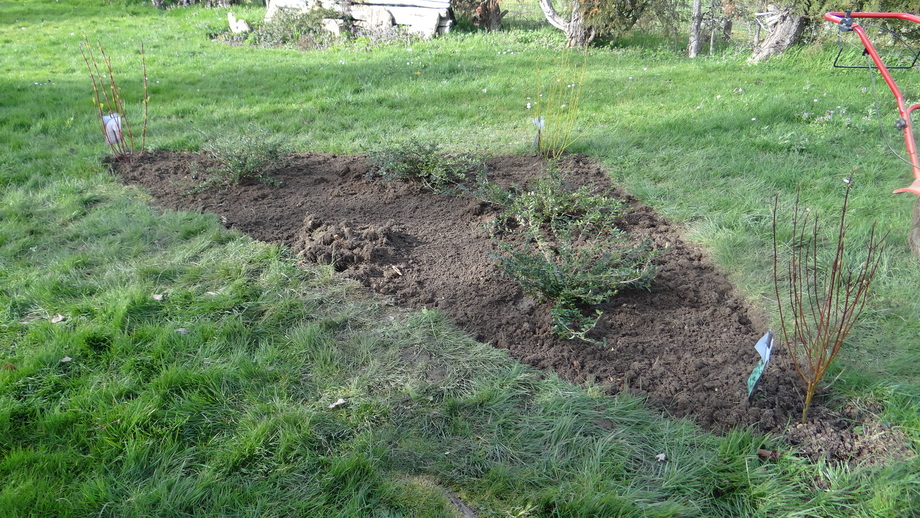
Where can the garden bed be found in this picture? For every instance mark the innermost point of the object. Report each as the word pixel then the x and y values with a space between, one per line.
pixel 686 344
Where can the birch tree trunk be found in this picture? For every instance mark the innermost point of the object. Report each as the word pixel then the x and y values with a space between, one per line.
pixel 575 28
pixel 696 20
pixel 783 34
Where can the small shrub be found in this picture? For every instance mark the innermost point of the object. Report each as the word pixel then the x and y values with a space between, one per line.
pixel 290 27
pixel 247 156
pixel 571 254
pixel 552 199
pixel 421 162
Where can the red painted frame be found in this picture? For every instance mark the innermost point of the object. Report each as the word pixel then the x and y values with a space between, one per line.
pixel 905 111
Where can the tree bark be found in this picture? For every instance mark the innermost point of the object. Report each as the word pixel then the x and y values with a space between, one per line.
pixel 783 34
pixel 488 15
pixel 696 20
pixel 575 28
pixel 913 237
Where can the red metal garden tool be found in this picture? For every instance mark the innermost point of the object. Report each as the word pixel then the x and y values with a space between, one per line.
pixel 846 22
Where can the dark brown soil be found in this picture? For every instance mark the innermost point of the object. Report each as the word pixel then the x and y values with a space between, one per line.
pixel 686 344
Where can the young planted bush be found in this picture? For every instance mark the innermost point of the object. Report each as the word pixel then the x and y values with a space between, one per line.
pixel 822 299
pixel 250 155
pixel 109 102
pixel 571 253
pixel 556 105
pixel 423 162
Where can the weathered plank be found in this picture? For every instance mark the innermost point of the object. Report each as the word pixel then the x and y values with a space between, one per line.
pixel 430 4
pixel 427 17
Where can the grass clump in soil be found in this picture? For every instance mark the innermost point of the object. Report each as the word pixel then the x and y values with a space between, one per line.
pixel 567 249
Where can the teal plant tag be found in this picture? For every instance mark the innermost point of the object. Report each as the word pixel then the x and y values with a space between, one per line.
pixel 764 347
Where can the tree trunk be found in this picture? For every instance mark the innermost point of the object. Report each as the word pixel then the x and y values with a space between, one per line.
pixel 488 15
pixel 575 28
pixel 696 20
pixel 913 237
pixel 783 34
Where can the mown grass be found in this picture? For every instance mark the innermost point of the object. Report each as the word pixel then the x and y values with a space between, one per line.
pixel 154 364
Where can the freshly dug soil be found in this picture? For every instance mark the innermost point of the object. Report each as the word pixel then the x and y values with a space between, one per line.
pixel 686 344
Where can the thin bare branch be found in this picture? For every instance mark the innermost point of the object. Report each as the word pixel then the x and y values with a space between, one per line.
pixel 822 302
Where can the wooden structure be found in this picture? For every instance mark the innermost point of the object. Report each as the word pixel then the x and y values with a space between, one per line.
pixel 425 17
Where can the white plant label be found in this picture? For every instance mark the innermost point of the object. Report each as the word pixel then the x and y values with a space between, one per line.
pixel 764 347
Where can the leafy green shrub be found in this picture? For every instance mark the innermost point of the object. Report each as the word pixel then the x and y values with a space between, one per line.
pixel 290 27
pixel 416 161
pixel 571 254
pixel 246 156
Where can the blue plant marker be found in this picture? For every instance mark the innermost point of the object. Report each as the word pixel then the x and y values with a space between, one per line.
pixel 764 348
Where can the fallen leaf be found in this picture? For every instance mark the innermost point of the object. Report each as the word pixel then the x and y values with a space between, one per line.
pixel 661 457
pixel 66 359
pixel 768 454
pixel 338 403
pixel 57 318
pixel 9 366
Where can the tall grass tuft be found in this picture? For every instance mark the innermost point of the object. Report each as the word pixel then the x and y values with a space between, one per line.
pixel 557 102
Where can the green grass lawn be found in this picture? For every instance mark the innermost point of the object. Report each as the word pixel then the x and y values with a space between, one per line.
pixel 155 364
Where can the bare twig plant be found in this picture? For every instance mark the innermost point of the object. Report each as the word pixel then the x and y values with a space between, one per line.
pixel 110 104
pixel 819 301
